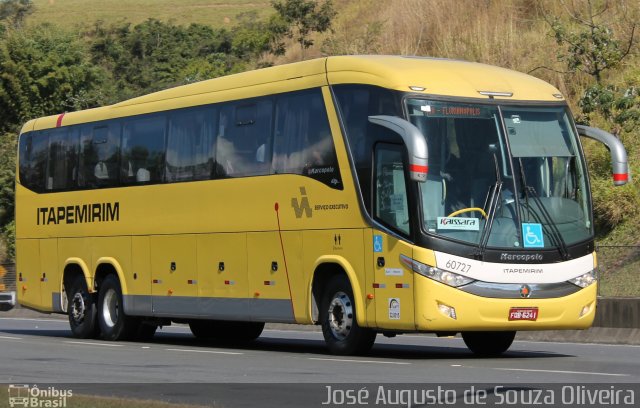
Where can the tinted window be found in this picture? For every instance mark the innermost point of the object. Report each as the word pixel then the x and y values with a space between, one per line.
pixel 356 104
pixel 63 159
pixel 391 206
pixel 33 159
pixel 143 150
pixel 99 155
pixel 303 142
pixel 191 145
pixel 244 139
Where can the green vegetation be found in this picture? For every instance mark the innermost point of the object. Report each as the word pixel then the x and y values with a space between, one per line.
pixel 63 55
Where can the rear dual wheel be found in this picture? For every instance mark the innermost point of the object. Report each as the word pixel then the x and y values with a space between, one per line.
pixel 114 323
pixel 82 309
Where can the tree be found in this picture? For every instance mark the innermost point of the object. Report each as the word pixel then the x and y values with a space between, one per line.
pixel 15 11
pixel 298 19
pixel 591 48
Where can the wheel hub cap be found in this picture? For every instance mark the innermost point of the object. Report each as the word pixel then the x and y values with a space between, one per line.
pixel 78 307
pixel 340 315
pixel 110 308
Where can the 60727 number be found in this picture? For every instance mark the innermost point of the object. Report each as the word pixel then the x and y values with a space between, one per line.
pixel 457 266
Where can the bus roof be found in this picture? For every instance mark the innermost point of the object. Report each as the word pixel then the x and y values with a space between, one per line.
pixel 421 75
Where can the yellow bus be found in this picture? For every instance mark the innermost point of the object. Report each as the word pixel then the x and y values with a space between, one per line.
pixel 365 194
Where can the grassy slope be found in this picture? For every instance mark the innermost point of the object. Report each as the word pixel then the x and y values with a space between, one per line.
pixel 213 12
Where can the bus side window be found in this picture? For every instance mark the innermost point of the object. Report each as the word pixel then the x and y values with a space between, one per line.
pixel 391 206
pixel 244 139
pixel 303 143
pixel 191 145
pixel 33 160
pixel 142 158
pixel 99 155
pixel 62 159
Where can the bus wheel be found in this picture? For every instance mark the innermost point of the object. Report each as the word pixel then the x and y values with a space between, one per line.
pixel 226 331
pixel 114 324
pixel 146 331
pixel 202 329
pixel 488 344
pixel 239 331
pixel 82 309
pixel 341 332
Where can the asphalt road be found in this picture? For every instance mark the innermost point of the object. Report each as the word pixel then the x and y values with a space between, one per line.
pixel 293 363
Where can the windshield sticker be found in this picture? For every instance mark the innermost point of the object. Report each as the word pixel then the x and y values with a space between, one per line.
pixel 425 108
pixel 532 235
pixel 515 118
pixel 458 223
pixel 397 202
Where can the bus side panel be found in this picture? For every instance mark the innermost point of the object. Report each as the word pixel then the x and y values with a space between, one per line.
pixel 50 279
pixel 115 251
pixel 292 243
pixel 394 281
pixel 174 276
pixel 138 301
pixel 268 278
pixel 28 272
pixel 222 274
pixel 342 245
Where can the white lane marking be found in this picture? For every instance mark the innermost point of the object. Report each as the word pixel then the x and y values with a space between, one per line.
pixel 577 344
pixel 90 343
pixel 10 338
pixel 345 360
pixel 557 371
pixel 35 320
pixel 205 351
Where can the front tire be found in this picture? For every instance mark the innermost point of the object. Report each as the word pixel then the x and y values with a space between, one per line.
pixel 340 328
pixel 82 309
pixel 488 344
pixel 114 324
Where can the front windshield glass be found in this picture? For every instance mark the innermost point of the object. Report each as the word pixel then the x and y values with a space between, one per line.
pixel 528 184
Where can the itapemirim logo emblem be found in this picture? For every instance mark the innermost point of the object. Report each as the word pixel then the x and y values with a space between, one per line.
pixel 302 206
pixel 23 395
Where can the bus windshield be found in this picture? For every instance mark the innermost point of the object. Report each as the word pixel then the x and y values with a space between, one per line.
pixel 502 176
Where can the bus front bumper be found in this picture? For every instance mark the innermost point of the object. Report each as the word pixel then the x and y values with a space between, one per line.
pixel 442 308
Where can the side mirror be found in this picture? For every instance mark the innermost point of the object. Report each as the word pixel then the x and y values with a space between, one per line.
pixel 413 139
pixel 619 164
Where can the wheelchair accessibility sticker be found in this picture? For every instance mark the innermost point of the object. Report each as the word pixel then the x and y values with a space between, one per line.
pixel 377 243
pixel 532 235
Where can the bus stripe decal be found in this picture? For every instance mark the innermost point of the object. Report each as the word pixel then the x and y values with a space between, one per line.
pixel 418 169
pixel 59 121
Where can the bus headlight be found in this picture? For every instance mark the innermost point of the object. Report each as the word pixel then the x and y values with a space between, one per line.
pixel 585 280
pixel 446 277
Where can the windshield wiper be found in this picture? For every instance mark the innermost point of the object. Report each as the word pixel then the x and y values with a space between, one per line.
pixel 549 225
pixel 494 200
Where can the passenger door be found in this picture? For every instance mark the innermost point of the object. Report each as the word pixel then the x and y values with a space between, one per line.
pixel 393 281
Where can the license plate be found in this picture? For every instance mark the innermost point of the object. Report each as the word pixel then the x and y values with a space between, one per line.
pixel 523 313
